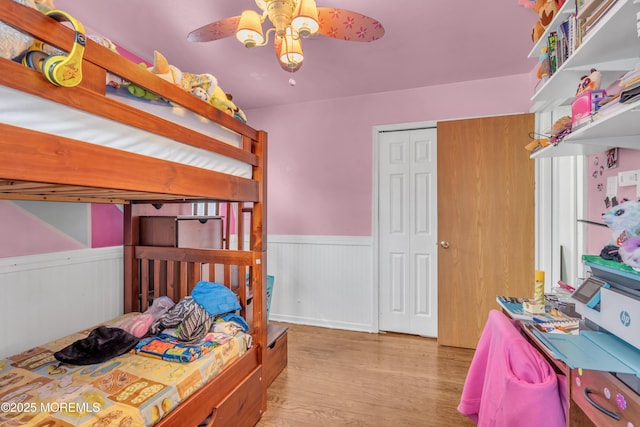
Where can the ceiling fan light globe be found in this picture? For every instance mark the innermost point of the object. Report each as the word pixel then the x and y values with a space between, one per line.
pixel 305 27
pixel 249 30
pixel 305 20
pixel 291 53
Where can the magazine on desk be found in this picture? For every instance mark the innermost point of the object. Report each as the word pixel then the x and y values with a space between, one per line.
pixel 571 326
pixel 513 306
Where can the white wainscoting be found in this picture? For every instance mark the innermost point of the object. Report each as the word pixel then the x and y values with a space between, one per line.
pixel 44 297
pixel 319 280
pixel 323 281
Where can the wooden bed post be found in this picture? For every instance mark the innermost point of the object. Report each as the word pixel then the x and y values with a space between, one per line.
pixel 259 247
pixel 131 270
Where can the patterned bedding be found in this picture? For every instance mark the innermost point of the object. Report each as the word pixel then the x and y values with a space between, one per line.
pixel 129 390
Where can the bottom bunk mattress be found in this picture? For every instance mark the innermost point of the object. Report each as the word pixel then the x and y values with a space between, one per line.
pixel 133 389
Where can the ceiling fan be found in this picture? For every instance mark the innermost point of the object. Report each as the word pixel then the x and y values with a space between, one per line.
pixel 292 21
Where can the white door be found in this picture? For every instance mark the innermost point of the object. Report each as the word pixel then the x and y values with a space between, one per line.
pixel 407 232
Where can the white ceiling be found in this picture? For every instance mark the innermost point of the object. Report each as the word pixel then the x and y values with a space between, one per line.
pixel 426 43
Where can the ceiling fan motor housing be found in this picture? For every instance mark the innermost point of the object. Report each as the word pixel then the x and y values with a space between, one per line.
pixel 280 13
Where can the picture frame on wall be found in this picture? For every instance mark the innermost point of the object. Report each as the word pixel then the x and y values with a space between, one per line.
pixel 612 158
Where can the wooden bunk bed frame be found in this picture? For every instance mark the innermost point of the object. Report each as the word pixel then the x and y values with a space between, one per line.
pixel 44 167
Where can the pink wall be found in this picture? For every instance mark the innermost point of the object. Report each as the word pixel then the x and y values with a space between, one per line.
pixel 597 237
pixel 320 161
pixel 321 153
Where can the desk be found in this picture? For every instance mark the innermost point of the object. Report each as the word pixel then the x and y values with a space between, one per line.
pixel 580 412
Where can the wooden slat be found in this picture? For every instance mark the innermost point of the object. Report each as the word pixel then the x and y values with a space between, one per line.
pixel 144 292
pixel 157 284
pixel 183 282
pixel 171 281
pixel 118 169
pixel 219 256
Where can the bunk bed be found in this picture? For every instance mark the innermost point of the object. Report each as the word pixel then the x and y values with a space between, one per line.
pixel 65 144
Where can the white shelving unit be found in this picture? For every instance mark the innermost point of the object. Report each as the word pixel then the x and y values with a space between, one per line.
pixel 612 48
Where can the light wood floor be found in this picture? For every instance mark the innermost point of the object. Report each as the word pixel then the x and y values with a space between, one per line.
pixel 344 378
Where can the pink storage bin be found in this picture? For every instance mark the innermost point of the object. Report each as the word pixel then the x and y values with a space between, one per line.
pixel 585 105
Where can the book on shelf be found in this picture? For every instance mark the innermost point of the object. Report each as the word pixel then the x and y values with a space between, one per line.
pixel 552 43
pixel 563 43
pixel 584 8
pixel 591 22
pixel 573 41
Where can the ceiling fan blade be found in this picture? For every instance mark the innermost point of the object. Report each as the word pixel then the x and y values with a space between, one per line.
pixel 277 42
pixel 215 30
pixel 347 25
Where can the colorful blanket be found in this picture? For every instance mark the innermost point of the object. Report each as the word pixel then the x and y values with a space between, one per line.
pixel 131 390
pixel 169 348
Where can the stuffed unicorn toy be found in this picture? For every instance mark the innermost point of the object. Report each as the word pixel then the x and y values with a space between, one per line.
pixel 624 220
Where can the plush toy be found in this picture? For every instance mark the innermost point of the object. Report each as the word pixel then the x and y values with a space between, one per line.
pixel 546 10
pixel 203 86
pixel 624 220
pixel 200 85
pixel 224 102
pixel 544 69
pixel 630 253
pixel 560 128
pixel 590 82
pixel 537 144
pixel 14 43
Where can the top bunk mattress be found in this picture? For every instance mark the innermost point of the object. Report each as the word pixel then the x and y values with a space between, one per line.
pixel 33 112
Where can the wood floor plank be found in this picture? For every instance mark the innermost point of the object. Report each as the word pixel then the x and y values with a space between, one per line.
pixel 345 378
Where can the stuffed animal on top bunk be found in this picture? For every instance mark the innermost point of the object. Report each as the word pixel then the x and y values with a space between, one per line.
pixel 14 43
pixel 203 86
pixel 200 85
pixel 624 220
pixel 224 102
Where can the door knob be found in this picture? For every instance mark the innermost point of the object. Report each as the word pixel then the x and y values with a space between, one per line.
pixel 444 244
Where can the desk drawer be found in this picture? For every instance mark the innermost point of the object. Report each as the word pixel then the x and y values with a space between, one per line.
pixel 614 397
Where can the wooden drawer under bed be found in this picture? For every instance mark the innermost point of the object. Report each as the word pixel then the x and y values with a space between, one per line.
pixel 276 358
pixel 242 407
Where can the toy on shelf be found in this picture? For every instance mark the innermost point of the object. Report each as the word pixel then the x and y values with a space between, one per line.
pixel 588 97
pixel 537 144
pixel 544 69
pixel 546 10
pixel 589 82
pixel 559 130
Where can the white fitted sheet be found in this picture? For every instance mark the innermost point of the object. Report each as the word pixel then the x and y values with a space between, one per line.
pixel 32 112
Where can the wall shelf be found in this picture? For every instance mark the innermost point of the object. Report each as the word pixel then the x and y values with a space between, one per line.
pixel 613 49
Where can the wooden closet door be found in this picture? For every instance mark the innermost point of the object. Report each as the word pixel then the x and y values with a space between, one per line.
pixel 485 221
